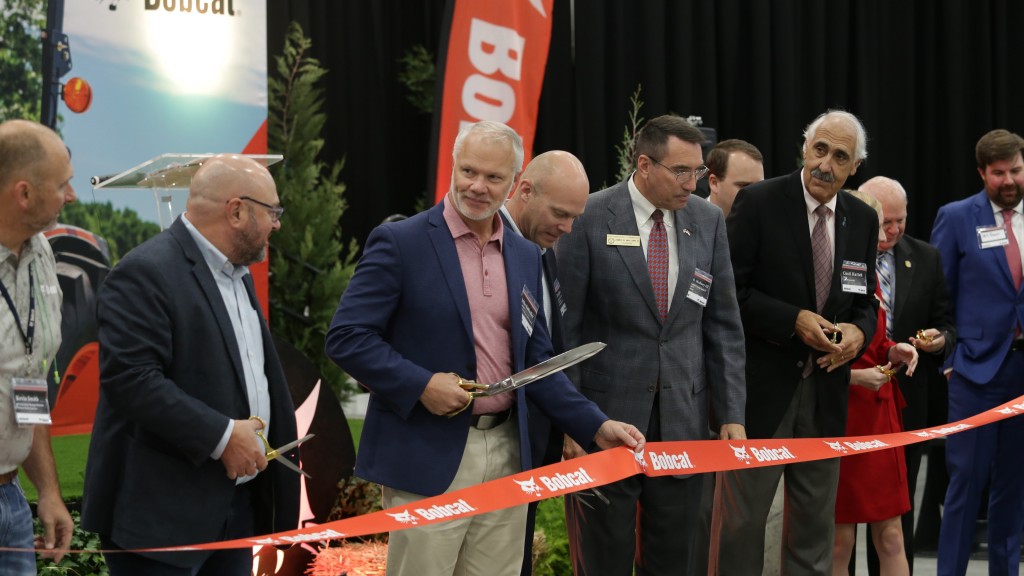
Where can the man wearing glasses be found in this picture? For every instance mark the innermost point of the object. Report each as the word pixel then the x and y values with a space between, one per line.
pixel 188 376
pixel 646 269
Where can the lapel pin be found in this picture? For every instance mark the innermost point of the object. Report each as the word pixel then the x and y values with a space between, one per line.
pixel 906 263
pixel 686 231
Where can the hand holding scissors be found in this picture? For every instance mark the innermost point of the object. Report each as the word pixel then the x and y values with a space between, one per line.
pixel 274 453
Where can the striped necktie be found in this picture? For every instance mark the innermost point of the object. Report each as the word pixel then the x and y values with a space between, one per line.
pixel 884 269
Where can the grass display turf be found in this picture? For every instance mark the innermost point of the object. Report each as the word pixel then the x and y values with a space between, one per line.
pixel 70 453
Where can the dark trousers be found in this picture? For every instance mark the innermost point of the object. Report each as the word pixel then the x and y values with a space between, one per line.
pixel 989 454
pixel 648 524
pixel 233 562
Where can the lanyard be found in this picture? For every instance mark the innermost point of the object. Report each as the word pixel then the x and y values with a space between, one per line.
pixel 27 335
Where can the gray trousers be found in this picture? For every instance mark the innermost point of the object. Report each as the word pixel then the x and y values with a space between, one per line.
pixel 743 499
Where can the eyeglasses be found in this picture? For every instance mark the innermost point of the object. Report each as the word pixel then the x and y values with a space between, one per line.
pixel 684 176
pixel 275 211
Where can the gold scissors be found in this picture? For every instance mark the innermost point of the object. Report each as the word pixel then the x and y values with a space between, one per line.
pixel 273 453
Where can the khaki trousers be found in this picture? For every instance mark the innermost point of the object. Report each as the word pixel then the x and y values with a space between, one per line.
pixel 484 545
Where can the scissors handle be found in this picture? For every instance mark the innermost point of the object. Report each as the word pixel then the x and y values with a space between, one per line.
pixel 266 445
pixel 473 390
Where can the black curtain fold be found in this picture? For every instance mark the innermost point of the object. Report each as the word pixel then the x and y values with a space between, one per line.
pixel 927 77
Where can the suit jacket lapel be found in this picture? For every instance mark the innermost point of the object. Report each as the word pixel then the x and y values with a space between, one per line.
pixel 204 277
pixel 551 277
pixel 902 253
pixel 687 260
pixel 623 222
pixel 795 216
pixel 842 239
pixel 984 216
pixel 516 284
pixel 447 256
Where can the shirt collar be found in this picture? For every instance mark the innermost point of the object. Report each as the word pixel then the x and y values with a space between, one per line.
pixel 644 208
pixel 215 259
pixel 998 210
pixel 32 247
pixel 512 224
pixel 459 229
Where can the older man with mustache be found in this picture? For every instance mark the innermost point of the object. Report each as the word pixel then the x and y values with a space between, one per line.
pixel 804 257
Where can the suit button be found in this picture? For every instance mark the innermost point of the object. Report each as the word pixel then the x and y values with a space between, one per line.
pixel 651 388
pixel 800 364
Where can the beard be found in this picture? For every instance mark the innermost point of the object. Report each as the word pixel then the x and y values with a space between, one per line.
pixel 250 247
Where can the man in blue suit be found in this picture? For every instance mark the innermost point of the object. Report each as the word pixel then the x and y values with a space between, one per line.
pixel 979 240
pixel 450 295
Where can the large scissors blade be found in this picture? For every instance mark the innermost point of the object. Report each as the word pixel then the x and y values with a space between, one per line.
pixel 278 451
pixel 291 465
pixel 543 369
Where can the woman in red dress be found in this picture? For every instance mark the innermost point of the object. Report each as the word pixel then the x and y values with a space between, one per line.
pixel 873 486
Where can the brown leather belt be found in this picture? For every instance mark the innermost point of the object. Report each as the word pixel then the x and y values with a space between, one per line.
pixel 8 477
pixel 488 421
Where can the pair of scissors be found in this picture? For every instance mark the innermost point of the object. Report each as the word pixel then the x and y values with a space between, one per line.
pixel 531 374
pixel 273 453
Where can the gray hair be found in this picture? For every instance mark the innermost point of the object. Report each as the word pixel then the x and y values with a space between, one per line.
pixel 494 131
pixel 860 153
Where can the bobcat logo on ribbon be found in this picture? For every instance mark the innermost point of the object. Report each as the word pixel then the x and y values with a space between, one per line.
pixel 639 457
pixel 529 486
pixel 837 446
pixel 403 517
pixel 741 453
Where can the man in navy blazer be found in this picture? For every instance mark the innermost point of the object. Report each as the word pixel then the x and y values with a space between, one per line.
pixel 446 296
pixel 185 360
pixel 979 238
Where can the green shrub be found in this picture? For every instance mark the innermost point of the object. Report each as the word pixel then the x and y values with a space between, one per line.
pixel 78 564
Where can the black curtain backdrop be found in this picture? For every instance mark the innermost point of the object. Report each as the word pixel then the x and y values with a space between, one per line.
pixel 927 77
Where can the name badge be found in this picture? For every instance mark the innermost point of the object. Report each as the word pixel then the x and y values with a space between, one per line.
pixel 992 237
pixel 622 240
pixel 558 298
pixel 854 277
pixel 529 310
pixel 31 401
pixel 700 287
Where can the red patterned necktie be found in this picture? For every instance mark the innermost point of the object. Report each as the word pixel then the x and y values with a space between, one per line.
pixel 1012 255
pixel 657 263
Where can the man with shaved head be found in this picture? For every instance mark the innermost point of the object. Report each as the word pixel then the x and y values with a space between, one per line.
pixel 35 183
pixel 551 193
pixel 188 379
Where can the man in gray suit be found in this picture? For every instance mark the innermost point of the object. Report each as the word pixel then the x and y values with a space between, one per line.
pixel 647 270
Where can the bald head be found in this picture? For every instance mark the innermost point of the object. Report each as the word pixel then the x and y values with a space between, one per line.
pixel 35 180
pixel 552 192
pixel 233 202
pixel 224 177
pixel 893 198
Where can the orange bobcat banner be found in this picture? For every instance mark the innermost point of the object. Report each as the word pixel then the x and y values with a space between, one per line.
pixel 494 69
